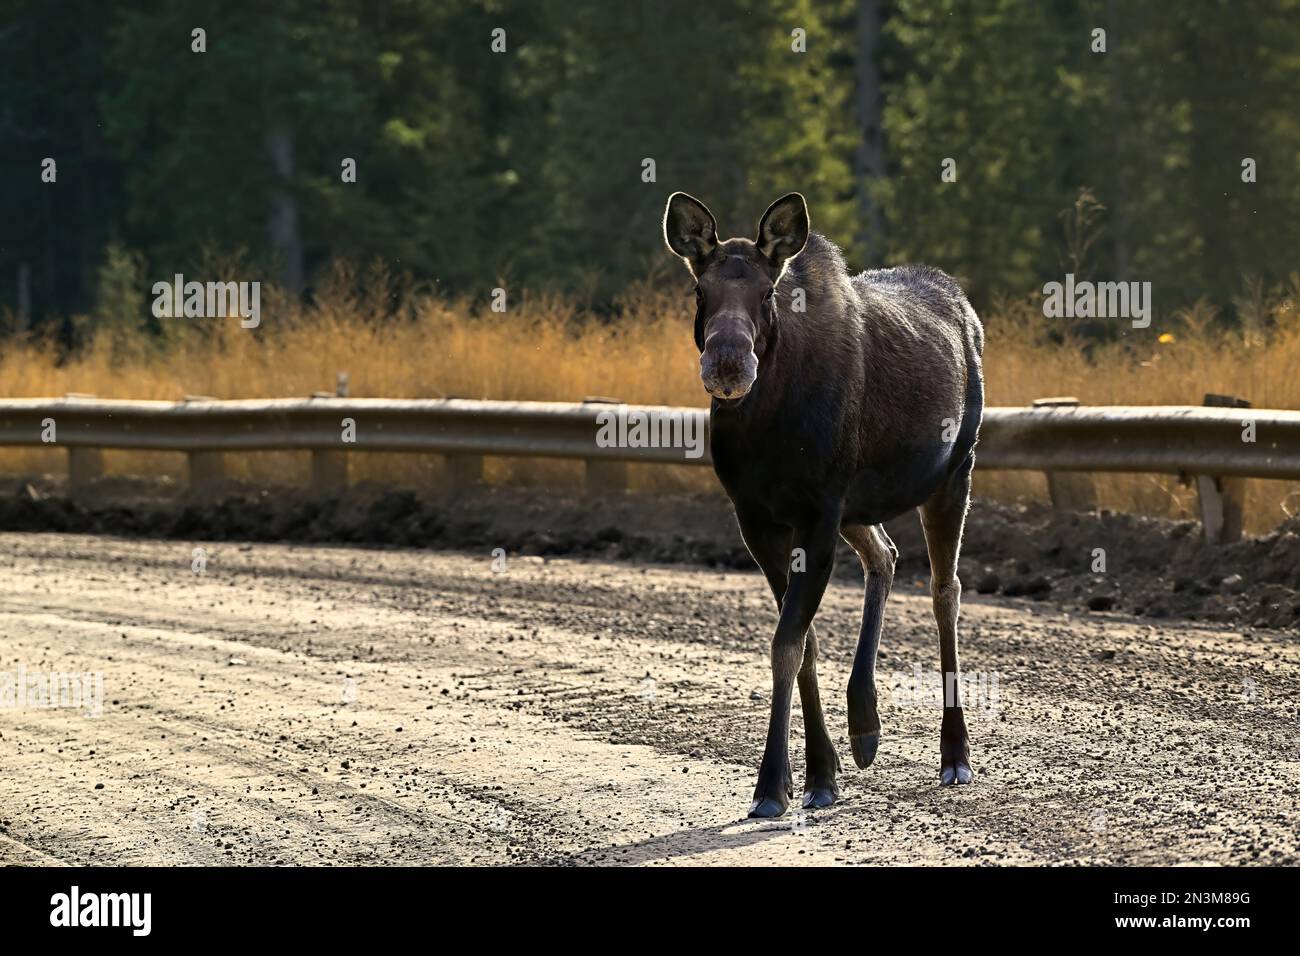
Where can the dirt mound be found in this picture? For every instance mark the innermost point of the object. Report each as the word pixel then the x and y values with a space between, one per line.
pixel 1097 561
pixel 1148 566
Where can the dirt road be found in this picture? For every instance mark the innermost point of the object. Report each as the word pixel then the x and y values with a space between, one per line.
pixel 317 705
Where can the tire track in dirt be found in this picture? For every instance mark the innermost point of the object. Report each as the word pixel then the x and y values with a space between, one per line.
pixel 584 711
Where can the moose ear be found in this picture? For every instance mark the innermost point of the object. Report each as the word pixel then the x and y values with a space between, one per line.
pixel 783 230
pixel 689 230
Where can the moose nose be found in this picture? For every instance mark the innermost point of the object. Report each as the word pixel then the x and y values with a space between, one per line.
pixel 728 370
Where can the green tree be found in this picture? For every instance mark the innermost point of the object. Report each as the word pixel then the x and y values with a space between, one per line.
pixel 983 85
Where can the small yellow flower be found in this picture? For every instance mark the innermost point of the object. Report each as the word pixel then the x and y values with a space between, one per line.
pixel 1166 338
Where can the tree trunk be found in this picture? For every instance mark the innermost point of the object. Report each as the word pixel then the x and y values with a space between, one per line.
pixel 1118 105
pixel 285 235
pixel 24 297
pixel 871 146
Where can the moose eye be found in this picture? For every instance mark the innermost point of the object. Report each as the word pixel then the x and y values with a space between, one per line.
pixel 769 295
pixel 699 294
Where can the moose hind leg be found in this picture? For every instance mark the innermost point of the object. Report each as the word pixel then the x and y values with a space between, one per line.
pixel 878 556
pixel 819 789
pixel 943 517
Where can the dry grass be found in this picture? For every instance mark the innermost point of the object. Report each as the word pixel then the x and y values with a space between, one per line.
pixel 1176 361
pixel 394 342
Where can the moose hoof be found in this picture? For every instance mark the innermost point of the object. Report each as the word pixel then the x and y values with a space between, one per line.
pixel 815 798
pixel 955 773
pixel 767 808
pixel 864 748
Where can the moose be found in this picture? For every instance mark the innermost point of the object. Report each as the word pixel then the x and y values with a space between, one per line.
pixel 837 403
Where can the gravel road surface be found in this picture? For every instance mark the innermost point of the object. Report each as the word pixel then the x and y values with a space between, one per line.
pixel 284 704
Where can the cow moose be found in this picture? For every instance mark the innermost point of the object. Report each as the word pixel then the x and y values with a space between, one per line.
pixel 838 403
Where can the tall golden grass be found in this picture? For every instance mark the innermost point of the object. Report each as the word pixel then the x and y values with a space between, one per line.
pixel 400 343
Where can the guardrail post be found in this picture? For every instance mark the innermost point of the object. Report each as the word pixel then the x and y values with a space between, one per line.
pixel 466 471
pixel 329 468
pixel 1069 490
pixel 601 476
pixel 205 466
pixel 1222 500
pixel 84 466
pixel 605 477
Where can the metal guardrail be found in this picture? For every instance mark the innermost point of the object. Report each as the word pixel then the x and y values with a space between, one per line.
pixel 1172 439
pixel 441 426
pixel 1184 440
pixel 1169 439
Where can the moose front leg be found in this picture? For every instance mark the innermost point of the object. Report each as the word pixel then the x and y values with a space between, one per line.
pixel 813 552
pixel 770 545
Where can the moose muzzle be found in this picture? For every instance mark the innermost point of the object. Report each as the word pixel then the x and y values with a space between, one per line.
pixel 728 365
